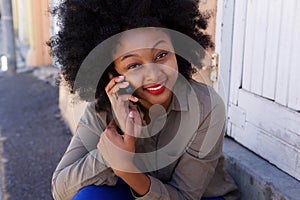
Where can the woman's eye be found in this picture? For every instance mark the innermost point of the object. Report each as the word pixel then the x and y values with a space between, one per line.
pixel 133 66
pixel 161 55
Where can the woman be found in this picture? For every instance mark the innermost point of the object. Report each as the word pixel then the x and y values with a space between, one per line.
pixel 146 143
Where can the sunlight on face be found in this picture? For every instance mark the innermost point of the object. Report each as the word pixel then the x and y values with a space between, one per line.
pixel 146 58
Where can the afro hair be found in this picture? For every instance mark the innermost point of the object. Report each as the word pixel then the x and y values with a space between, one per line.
pixel 83 24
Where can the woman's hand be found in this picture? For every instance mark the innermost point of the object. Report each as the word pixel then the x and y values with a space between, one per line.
pixel 118 150
pixel 120 102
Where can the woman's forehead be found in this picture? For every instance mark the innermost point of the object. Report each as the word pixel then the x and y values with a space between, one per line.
pixel 142 38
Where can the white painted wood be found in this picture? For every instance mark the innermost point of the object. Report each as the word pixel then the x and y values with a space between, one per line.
pixel 223 42
pixel 271 48
pixel 249 43
pixel 228 130
pixel 219 21
pixel 265 59
pixel 218 38
pixel 237 49
pixel 266 145
pixel 236 115
pixel 260 36
pixel 294 84
pixel 297 172
pixel 280 121
pixel 284 57
pixel 270 130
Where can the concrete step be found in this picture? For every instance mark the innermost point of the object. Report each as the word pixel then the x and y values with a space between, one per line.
pixel 256 177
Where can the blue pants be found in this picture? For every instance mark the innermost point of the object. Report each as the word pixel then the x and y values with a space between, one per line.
pixel 120 191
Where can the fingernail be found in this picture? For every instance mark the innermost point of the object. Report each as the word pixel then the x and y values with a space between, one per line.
pixel 121 77
pixel 135 98
pixel 130 114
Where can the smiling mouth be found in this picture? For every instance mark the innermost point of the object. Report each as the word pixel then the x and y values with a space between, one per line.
pixel 157 88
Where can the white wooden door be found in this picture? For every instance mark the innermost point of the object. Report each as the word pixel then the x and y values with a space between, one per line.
pixel 264 101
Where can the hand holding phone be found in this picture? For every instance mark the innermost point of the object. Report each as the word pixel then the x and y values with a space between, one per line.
pixel 127 90
pixel 121 99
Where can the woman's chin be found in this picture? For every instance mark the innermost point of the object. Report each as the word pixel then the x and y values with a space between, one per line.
pixel 163 98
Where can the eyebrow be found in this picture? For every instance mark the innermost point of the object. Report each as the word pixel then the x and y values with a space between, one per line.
pixel 136 55
pixel 129 55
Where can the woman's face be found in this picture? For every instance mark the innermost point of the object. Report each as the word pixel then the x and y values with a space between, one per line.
pixel 146 58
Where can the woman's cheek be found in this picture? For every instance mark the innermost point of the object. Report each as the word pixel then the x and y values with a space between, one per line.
pixel 136 82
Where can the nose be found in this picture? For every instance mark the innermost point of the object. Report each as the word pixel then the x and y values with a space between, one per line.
pixel 152 73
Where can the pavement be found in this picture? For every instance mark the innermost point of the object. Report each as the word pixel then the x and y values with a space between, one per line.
pixel 33 136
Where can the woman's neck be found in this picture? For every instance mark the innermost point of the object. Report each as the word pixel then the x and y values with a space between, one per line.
pixel 145 107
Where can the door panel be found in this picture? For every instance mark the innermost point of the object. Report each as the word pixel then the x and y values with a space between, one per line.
pixel 294 67
pixel 284 56
pixel 264 93
pixel 272 43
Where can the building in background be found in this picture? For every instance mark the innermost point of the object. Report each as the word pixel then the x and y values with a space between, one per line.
pixel 32 29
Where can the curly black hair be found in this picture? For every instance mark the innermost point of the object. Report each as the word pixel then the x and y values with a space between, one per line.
pixel 83 24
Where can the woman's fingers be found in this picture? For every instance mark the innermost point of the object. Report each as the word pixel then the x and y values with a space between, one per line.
pixel 129 124
pixel 127 97
pixel 116 141
pixel 119 102
pixel 113 82
pixel 129 136
pixel 133 125
pixel 133 107
pixel 114 85
pixel 136 114
pixel 113 92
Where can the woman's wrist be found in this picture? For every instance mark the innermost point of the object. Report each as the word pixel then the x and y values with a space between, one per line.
pixel 139 182
pixel 125 169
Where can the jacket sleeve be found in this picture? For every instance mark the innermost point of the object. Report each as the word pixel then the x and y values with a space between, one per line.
pixel 81 164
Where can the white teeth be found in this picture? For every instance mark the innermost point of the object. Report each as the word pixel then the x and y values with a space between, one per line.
pixel 157 88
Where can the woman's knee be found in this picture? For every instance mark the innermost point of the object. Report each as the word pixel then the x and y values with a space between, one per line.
pixel 120 191
pixel 90 192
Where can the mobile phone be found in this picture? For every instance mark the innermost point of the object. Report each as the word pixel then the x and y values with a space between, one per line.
pixel 127 90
